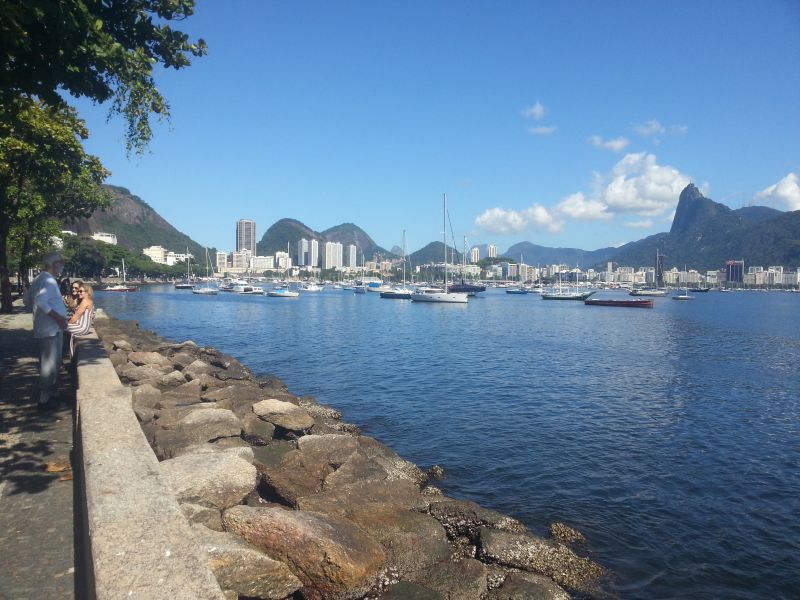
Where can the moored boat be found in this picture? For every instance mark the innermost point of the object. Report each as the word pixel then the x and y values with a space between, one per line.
pixel 282 293
pixel 626 302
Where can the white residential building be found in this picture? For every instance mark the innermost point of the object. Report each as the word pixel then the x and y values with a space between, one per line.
pixel 108 238
pixel 492 252
pixel 313 253
pixel 474 254
pixel 352 256
pixel 302 252
pixel 282 260
pixel 332 256
pixel 221 262
pixel 246 235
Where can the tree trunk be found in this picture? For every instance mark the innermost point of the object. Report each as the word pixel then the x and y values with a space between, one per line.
pixel 24 254
pixel 6 305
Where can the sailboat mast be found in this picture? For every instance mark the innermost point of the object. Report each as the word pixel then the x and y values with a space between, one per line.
pixel 444 237
pixel 404 259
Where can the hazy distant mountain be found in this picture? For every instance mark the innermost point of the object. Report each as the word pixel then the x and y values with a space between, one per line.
pixel 705 234
pixel 541 255
pixel 136 225
pixel 349 233
pixel 434 253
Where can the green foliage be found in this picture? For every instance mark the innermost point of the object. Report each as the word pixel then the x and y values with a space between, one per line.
pixel 44 174
pixel 88 259
pixel 99 50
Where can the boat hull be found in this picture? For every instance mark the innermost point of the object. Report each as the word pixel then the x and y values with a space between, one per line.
pixel 567 296
pixel 396 295
pixel 282 294
pixel 644 303
pixel 441 297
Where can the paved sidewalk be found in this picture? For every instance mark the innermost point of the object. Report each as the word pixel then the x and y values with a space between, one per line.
pixel 37 542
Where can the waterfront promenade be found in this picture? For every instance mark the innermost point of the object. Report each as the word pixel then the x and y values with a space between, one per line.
pixel 37 541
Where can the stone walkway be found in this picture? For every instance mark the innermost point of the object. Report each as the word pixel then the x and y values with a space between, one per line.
pixel 37 541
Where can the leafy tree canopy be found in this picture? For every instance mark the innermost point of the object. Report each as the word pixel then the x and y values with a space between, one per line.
pixel 98 49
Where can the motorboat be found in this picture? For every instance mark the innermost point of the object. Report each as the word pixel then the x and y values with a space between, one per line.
pixel 626 302
pixel 282 293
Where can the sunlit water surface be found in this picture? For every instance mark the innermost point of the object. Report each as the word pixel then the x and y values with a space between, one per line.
pixel 669 436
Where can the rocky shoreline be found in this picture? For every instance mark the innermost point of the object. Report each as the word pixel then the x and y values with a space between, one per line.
pixel 288 501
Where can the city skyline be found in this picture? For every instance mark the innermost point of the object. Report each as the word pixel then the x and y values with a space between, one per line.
pixel 540 122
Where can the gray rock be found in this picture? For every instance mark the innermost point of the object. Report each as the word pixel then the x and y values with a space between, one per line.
pixel 182 359
pixel 456 580
pixel 531 553
pixel 191 389
pixel 464 518
pixel 215 479
pixel 171 380
pixel 528 586
pixel 240 567
pixel 318 410
pixel 283 414
pixel 153 359
pixel 145 400
pixel 203 515
pixel 206 424
pixel 566 534
pixel 253 426
pixel 406 590
pixel 118 358
pixel 197 368
pixel 134 375
pixel 333 558
pixel 123 345
pixel 395 466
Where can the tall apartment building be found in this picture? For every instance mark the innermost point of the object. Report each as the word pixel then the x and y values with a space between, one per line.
pixel 313 253
pixel 492 251
pixel 246 235
pixel 332 256
pixel 221 262
pixel 302 252
pixel 474 254
pixel 351 256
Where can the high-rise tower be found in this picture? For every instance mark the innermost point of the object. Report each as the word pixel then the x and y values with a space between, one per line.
pixel 246 235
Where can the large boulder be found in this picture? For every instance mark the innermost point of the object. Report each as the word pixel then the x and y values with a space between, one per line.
pixel 333 558
pixel 464 518
pixel 134 375
pixel 146 401
pixel 123 345
pixel 206 424
pixel 197 368
pixel 456 580
pixel 282 414
pixel 528 586
pixel 532 553
pixel 153 359
pixel 197 514
pixel 395 466
pixel 406 590
pixel 215 479
pixel 240 567
pixel 170 380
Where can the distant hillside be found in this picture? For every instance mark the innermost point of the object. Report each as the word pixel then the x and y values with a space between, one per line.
pixel 282 233
pixel 434 253
pixel 541 255
pixel 705 234
pixel 136 225
pixel 292 231
pixel 349 233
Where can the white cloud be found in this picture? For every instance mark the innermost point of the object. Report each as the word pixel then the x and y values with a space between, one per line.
pixel 639 185
pixel 614 144
pixel 577 206
pixel 650 128
pixel 655 129
pixel 502 221
pixel 784 194
pixel 543 129
pixel 644 224
pixel 534 112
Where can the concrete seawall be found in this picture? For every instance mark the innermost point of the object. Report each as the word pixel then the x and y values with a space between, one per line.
pixel 139 544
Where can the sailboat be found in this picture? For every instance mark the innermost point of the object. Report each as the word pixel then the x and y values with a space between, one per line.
pixel 361 289
pixel 187 283
pixel 207 288
pixel 121 287
pixel 401 293
pixel 685 295
pixel 445 296
pixel 561 294
pixel 653 291
pixel 471 289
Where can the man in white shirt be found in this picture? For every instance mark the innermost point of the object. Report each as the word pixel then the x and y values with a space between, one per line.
pixel 49 323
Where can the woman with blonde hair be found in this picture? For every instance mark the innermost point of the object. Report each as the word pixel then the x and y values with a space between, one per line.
pixel 71 298
pixel 80 323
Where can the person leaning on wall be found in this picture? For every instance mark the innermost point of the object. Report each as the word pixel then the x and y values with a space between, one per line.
pixel 49 323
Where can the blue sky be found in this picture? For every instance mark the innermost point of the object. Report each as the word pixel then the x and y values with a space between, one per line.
pixel 572 124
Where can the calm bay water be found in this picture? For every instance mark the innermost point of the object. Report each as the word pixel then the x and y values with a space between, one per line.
pixel 670 437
